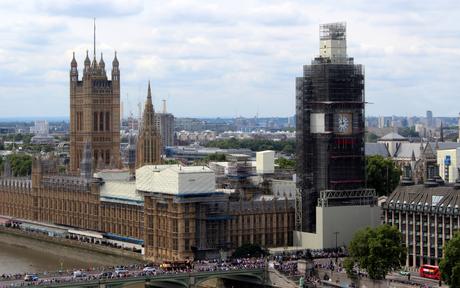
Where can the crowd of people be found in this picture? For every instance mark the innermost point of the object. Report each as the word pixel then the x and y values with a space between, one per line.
pixel 133 271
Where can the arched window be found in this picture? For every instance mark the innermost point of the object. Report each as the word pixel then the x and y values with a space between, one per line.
pixel 107 121
pixel 101 121
pixel 107 157
pixel 95 121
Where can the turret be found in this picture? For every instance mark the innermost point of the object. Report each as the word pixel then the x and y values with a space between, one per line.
pixel 116 71
pixel 87 63
pixel 102 65
pixel 73 70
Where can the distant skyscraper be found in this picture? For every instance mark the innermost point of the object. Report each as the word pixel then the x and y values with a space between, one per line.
pixel 330 123
pixel 165 124
pixel 40 128
pixel 149 141
pixel 429 119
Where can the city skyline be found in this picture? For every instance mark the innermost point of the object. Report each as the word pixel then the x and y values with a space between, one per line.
pixel 198 53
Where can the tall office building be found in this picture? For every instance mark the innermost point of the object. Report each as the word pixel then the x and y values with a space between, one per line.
pixel 95 113
pixel 165 124
pixel 429 119
pixel 330 135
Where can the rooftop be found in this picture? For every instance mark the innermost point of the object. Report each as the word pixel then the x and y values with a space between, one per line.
pixel 393 136
pixel 444 198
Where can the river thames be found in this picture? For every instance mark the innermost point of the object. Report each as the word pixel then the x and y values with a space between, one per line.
pixel 21 255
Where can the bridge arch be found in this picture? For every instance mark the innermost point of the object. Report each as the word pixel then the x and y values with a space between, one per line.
pixel 243 277
pixel 166 283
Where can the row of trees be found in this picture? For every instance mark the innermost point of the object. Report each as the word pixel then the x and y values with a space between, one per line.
pixel 287 146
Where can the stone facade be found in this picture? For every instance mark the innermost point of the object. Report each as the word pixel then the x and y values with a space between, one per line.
pixel 149 141
pixel 95 113
pixel 427 217
pixel 173 227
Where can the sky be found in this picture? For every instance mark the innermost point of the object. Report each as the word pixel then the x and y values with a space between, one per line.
pixel 228 58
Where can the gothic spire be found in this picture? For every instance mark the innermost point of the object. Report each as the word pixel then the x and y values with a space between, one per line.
pixel 94 39
pixel 149 93
pixel 115 61
pixel 74 62
pixel 87 61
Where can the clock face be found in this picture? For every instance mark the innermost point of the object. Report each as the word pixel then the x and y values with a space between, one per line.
pixel 343 123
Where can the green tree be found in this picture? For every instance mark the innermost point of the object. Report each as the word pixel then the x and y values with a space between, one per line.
pixel 450 264
pixel 284 163
pixel 21 164
pixel 371 137
pixel 378 251
pixel 408 132
pixel 216 157
pixel 382 174
pixel 254 144
pixel 249 250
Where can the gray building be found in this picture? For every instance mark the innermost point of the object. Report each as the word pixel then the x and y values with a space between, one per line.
pixel 165 124
pixel 428 216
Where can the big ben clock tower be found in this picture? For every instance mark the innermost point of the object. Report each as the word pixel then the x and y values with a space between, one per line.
pixel 330 125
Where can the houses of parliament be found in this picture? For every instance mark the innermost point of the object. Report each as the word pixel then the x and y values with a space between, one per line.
pixel 174 210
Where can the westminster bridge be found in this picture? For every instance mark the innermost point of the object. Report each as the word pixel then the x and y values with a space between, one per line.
pixel 180 280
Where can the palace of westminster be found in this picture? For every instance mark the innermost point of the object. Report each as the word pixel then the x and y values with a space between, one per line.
pixel 175 210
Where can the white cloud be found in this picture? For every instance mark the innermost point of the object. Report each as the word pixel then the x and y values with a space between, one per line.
pixel 228 58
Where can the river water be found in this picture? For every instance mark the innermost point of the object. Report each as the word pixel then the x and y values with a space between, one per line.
pixel 20 255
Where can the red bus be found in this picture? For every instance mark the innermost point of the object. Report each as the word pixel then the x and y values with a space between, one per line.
pixel 430 271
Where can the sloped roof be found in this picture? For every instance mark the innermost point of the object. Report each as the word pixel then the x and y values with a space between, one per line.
pixel 393 136
pixel 444 145
pixel 372 149
pixel 419 195
pixel 406 149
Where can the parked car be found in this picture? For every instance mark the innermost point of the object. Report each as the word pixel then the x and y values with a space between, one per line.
pixel 30 277
pixel 120 271
pixel 78 274
pixel 106 274
pixel 404 272
pixel 149 269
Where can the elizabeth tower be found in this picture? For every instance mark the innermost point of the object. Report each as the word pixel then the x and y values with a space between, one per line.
pixel 330 124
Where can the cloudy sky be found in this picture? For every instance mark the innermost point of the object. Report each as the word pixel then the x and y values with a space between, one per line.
pixel 228 58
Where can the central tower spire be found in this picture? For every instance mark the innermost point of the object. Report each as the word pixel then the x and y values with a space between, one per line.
pixel 94 39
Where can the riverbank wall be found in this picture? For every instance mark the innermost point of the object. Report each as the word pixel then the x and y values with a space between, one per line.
pixel 73 243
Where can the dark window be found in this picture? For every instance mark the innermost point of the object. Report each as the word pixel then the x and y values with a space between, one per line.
pixel 95 121
pixel 107 121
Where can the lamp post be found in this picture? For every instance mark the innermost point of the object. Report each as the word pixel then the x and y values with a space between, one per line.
pixel 336 247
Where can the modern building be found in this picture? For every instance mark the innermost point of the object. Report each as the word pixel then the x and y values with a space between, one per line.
pixel 40 127
pixel 448 161
pixel 428 216
pixel 265 162
pixel 95 113
pixel 165 124
pixel 429 119
pixel 41 131
pixel 330 146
